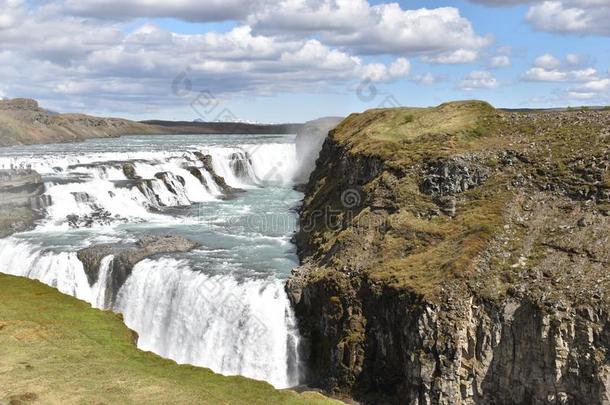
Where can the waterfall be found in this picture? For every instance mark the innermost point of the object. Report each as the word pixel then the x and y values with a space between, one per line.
pixel 234 318
pixel 232 327
pixel 93 185
pixel 61 270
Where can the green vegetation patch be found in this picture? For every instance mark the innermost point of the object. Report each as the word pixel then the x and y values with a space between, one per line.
pixel 406 134
pixel 55 349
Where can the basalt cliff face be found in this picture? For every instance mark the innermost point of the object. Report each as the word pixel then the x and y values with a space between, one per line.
pixel 459 255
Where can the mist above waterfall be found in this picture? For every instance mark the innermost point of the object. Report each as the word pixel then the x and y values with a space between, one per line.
pixel 309 141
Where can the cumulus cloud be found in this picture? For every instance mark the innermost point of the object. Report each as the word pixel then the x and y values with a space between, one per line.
pixel 427 78
pixel 102 64
pixel 371 29
pixel 547 61
pixel 563 16
pixel 100 52
pixel 548 68
pixel 188 10
pixel 479 79
pixel 452 58
pixel 499 61
pixel 571 16
pixel 585 83
pixel 598 88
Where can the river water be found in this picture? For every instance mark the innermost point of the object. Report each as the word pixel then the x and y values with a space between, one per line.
pixel 220 306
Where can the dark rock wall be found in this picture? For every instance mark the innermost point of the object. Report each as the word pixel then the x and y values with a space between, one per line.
pixel 382 345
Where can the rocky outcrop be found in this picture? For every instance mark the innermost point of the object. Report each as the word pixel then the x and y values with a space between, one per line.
pixel 21 198
pixel 446 177
pixel 126 256
pixel 219 180
pixel 129 170
pixel 502 300
pixel 195 172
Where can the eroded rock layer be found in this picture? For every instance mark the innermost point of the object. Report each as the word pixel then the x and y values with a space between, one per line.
pixel 459 254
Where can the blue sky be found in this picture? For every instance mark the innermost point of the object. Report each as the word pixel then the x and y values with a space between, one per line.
pixel 294 60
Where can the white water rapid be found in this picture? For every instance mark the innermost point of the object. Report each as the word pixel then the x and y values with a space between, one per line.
pixel 222 305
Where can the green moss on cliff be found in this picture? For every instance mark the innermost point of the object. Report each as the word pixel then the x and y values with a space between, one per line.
pixel 398 236
pixel 405 135
pixel 57 350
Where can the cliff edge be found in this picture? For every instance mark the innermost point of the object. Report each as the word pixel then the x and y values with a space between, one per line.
pixel 459 255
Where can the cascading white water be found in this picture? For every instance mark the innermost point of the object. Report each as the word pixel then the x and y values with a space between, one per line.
pixel 98 174
pixel 232 327
pixel 188 316
pixel 234 317
pixel 61 270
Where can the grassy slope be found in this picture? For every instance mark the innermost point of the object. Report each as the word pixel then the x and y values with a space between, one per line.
pixel 55 349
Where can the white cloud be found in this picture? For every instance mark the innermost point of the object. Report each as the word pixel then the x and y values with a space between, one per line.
pixel 189 10
pixel 371 29
pixel 499 61
pixel 539 74
pixel 367 29
pixel 478 80
pixel 401 67
pixel 571 16
pixel 581 95
pixel 547 61
pixel 563 16
pixel 597 86
pixel 379 72
pixel 548 68
pixel 96 63
pixel 452 58
pixel 574 59
pixel 427 78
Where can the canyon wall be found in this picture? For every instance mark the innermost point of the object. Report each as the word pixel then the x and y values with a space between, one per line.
pixel 458 254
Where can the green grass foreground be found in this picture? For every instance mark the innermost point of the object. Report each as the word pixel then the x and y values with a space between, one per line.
pixel 55 349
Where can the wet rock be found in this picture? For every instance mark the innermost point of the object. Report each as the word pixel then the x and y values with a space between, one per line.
pixel 129 170
pixel 219 180
pixel 195 172
pixel 21 199
pixel 98 217
pixel 126 256
pixel 167 177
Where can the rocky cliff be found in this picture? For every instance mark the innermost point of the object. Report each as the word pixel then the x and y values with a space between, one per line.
pixel 459 255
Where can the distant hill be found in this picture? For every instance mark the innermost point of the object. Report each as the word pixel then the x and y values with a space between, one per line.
pixel 23 121
pixel 199 127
